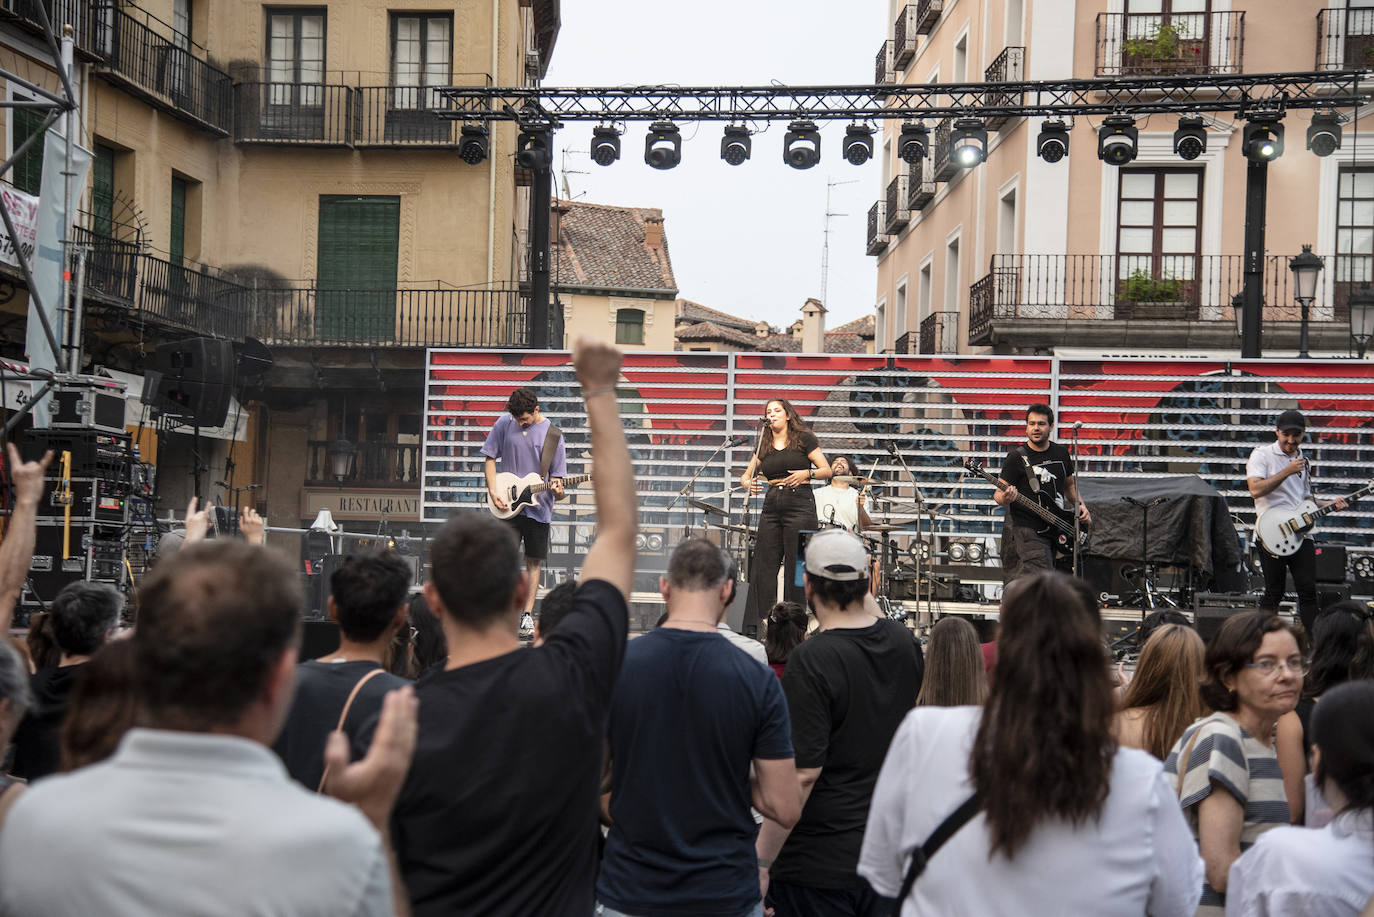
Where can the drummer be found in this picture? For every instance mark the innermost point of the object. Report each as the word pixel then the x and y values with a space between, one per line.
pixel 839 503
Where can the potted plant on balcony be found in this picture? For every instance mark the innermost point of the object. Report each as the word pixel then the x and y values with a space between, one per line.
pixel 1143 296
pixel 1167 49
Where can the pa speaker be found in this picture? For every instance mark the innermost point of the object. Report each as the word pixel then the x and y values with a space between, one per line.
pixel 734 612
pixel 1331 560
pixel 193 379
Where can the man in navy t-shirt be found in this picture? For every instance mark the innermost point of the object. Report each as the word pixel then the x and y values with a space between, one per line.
pixel 689 715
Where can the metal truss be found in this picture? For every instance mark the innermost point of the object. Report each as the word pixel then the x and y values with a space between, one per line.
pixel 1047 98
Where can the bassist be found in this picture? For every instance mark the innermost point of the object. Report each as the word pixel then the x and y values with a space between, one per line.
pixel 1041 470
pixel 525 442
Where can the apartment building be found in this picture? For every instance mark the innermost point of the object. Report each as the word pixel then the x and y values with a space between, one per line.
pixel 284 173
pixel 1025 255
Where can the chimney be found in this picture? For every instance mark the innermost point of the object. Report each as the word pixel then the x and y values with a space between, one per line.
pixel 556 214
pixel 653 231
pixel 813 327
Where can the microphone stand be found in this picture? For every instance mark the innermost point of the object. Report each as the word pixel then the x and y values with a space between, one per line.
pixel 1077 521
pixel 920 509
pixel 693 479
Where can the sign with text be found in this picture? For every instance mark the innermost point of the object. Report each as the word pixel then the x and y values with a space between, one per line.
pixel 23 211
pixel 361 505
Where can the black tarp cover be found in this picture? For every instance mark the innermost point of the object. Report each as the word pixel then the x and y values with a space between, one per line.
pixel 1191 527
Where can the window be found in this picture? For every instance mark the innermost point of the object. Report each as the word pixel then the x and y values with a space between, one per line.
pixel 176 245
pixel 27 172
pixel 951 303
pixel 295 56
pixel 961 60
pixel 102 190
pixel 421 58
pixel 923 291
pixel 629 326
pixel 899 326
pixel 1190 21
pixel 1006 223
pixel 880 327
pixel 1015 15
pixel 356 268
pixel 1158 220
pixel 1354 234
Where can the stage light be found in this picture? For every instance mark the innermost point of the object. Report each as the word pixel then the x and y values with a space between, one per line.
pixel 1116 140
pixel 913 142
pixel 968 142
pixel 473 144
pixel 663 145
pixel 858 144
pixel 1190 140
pixel 801 145
pixel 735 146
pixel 958 552
pixel 1053 143
pixel 1324 134
pixel 1262 139
pixel 532 150
pixel 605 145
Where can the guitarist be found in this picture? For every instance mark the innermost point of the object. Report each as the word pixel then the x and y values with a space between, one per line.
pixel 1043 471
pixel 518 440
pixel 1278 476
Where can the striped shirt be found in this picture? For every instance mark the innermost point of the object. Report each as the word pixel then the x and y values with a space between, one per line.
pixel 1227 756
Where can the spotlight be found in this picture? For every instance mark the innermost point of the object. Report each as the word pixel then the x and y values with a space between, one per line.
pixel 473 144
pixel 858 144
pixel 801 145
pixel 1116 140
pixel 1190 140
pixel 913 142
pixel 975 552
pixel 1262 139
pixel 1053 143
pixel 735 145
pixel 532 150
pixel 1324 135
pixel 663 145
pixel 605 145
pixel 968 143
pixel 958 552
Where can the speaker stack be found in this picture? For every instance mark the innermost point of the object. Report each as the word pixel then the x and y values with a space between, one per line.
pixel 192 380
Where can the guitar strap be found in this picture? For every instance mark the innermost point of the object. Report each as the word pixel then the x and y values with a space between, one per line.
pixel 552 437
pixel 1031 479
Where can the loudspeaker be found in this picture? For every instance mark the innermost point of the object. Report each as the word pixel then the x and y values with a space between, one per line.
pixel 193 379
pixel 1330 563
pixel 1104 575
pixel 1209 618
pixel 734 612
pixel 1330 593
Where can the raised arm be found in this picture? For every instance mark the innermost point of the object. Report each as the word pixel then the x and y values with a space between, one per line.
pixel 612 555
pixel 16 551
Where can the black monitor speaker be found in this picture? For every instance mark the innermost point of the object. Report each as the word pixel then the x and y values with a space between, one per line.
pixel 192 379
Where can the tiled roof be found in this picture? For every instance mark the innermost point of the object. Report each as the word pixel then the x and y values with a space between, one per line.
pixel 860 326
pixel 688 311
pixel 836 342
pixel 710 331
pixel 603 246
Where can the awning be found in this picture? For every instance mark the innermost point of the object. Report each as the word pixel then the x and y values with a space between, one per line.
pixel 135 410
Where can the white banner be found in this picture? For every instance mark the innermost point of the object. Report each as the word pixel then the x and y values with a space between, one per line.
pixel 53 225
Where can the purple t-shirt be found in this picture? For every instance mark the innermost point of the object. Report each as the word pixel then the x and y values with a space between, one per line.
pixel 517 451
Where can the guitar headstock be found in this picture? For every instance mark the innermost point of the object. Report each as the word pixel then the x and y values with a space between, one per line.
pixel 973 465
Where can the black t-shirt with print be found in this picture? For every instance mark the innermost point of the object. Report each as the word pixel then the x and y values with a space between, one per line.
pixel 780 463
pixel 1051 468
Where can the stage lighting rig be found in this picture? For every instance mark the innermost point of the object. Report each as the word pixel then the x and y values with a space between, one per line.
pixel 1116 140
pixel 735 146
pixel 912 142
pixel 801 145
pixel 663 145
pixel 532 150
pixel 968 143
pixel 1053 143
pixel 1262 139
pixel 473 144
pixel 1324 134
pixel 605 145
pixel 858 144
pixel 1190 140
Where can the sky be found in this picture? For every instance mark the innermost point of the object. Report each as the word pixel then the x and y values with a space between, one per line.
pixel 744 239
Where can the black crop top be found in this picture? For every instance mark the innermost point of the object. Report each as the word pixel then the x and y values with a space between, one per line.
pixel 781 463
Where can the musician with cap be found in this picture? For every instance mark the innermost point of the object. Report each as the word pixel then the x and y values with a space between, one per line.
pixel 1279 476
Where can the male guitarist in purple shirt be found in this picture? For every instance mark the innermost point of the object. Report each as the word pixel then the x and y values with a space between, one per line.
pixel 1042 471
pixel 517 440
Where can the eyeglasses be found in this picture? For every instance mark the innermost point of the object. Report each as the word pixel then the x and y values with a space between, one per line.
pixel 1270 667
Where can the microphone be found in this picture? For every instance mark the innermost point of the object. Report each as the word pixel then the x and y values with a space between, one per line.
pixel 1077 424
pixel 734 441
pixel 891 448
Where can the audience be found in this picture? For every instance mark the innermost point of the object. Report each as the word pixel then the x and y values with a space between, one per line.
pixel 43 651
pixel 787 623
pixel 1066 822
pixel 688 717
pixel 847 688
pixel 753 648
pixel 1254 675
pixel 14 700
pixel 553 609
pixel 346 688
pixel 419 648
pixel 104 706
pixel 954 675
pixel 1329 871
pixel 194 814
pixel 1157 619
pixel 1165 696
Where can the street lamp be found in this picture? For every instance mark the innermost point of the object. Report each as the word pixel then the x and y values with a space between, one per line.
pixel 1238 310
pixel 1362 317
pixel 340 453
pixel 1305 268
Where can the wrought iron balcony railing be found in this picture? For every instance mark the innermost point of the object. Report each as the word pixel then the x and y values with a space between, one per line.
pixel 306 113
pixel 1140 44
pixel 92 22
pixel 196 300
pixel 1345 39
pixel 111 266
pixel 402 318
pixel 1009 66
pixel 904 37
pixel 373 465
pixel 404 115
pixel 920 187
pixel 908 342
pixel 877 228
pixel 895 205
pixel 884 74
pixel 943 167
pixel 940 333
pixel 927 14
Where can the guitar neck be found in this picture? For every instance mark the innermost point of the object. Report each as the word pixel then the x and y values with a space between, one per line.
pixel 1349 498
pixel 567 482
pixel 1027 503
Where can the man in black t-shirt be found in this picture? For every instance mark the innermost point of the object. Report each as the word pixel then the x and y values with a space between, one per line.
pixel 498 814
pixel 848 687
pixel 1043 472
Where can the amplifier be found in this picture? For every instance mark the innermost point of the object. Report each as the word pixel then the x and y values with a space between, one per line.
pixel 1211 609
pixel 95 553
pixel 1330 563
pixel 94 454
pixel 93 500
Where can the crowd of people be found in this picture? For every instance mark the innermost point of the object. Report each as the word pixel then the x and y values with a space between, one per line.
pixel 433 765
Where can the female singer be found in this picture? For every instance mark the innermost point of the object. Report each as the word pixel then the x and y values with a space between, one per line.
pixel 783 457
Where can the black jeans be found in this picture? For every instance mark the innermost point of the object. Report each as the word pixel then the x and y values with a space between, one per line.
pixel 787 512
pixel 1303 564
pixel 859 900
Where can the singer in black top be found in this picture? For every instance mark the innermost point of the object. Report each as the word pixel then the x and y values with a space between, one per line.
pixel 787 457
pixel 1044 471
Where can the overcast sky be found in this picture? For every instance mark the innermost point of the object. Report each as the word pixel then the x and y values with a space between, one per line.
pixel 746 239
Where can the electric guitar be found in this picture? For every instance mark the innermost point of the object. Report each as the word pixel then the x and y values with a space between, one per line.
pixel 1281 529
pixel 520 492
pixel 1058 522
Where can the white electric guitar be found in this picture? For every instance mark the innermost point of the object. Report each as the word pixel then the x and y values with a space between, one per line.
pixel 1281 529
pixel 518 492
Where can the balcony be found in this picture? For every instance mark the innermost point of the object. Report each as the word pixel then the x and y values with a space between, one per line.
pixel 1110 300
pixel 111 267
pixel 374 465
pixel 1009 67
pixel 920 187
pixel 404 115
pixel 940 333
pixel 906 343
pixel 324 114
pixel 884 74
pixel 904 37
pixel 1345 39
pixel 943 168
pixel 895 206
pixel 877 228
pixel 166 70
pixel 92 23
pixel 194 299
pixel 1144 44
pixel 313 317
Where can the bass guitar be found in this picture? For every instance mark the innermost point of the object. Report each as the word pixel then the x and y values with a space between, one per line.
pixel 1281 529
pixel 1058 523
pixel 519 492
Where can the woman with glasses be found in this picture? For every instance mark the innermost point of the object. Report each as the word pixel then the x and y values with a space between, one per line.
pixel 1224 766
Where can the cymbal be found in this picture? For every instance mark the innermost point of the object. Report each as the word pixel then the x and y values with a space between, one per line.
pixel 890 527
pixel 743 529
pixel 708 508
pixel 859 480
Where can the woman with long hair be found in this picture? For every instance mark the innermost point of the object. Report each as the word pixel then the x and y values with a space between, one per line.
pixel 955 676
pixel 787 457
pixel 1226 772
pixel 104 707
pixel 787 623
pixel 1164 697
pixel 1064 816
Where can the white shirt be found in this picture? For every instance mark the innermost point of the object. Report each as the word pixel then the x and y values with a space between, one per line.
pixel 843 500
pixel 753 647
pixel 1267 461
pixel 1136 858
pixel 1306 872
pixel 188 823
